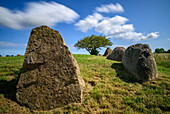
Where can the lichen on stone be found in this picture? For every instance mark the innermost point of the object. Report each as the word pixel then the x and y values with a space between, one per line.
pixel 50 77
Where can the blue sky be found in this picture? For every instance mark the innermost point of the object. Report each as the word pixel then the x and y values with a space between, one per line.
pixel 126 22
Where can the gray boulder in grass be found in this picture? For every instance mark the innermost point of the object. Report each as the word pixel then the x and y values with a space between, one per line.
pixel 107 52
pixel 116 54
pixel 139 60
pixel 50 76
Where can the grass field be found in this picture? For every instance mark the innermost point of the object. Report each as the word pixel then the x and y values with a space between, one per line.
pixel 109 87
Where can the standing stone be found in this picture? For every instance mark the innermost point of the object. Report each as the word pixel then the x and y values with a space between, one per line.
pixel 139 60
pixel 107 52
pixel 116 54
pixel 50 76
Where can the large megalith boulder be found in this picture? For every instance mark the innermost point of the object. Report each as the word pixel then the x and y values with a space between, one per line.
pixel 139 60
pixel 107 52
pixel 116 54
pixel 50 76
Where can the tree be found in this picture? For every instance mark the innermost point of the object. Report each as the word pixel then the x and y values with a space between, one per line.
pixel 168 51
pixel 159 50
pixel 92 43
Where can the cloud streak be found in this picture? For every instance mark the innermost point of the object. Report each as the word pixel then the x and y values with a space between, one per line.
pixel 11 44
pixel 35 14
pixel 110 8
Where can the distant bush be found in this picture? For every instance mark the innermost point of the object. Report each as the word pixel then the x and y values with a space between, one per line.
pixel 18 55
pixel 0 55
pixel 168 51
pixel 7 55
pixel 159 50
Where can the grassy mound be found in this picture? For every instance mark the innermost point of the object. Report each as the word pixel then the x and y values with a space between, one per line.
pixel 109 87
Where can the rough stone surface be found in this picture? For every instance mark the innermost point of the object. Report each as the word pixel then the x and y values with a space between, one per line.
pixel 139 60
pixel 107 52
pixel 50 76
pixel 116 54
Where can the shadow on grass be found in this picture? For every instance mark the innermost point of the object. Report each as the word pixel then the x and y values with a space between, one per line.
pixel 8 88
pixel 123 74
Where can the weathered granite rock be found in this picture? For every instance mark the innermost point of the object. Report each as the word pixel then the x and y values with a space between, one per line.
pixel 116 54
pixel 107 52
pixel 139 60
pixel 50 76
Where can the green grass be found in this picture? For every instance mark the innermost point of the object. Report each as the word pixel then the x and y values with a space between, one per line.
pixel 109 87
pixel 162 59
pixel 9 66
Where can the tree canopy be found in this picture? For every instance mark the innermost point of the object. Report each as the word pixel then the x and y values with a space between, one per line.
pixel 92 43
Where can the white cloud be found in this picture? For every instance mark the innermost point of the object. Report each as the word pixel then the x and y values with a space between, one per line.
pixel 129 35
pixel 35 14
pixel 11 44
pixel 116 27
pixel 92 20
pixel 89 22
pixel 149 36
pixel 113 26
pixel 137 36
pixel 110 8
pixel 117 20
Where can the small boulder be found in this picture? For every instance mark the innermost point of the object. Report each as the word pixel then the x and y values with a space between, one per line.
pixel 116 54
pixel 107 52
pixel 50 76
pixel 139 60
